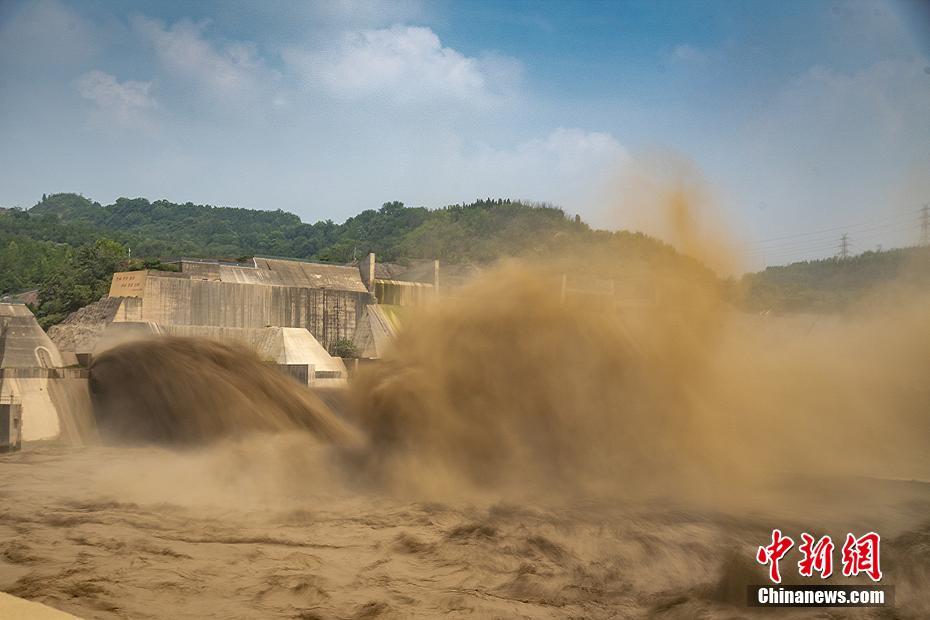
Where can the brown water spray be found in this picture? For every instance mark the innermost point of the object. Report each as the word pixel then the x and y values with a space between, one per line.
pixel 512 384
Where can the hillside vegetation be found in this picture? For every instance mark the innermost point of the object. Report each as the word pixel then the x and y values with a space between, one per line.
pixel 833 284
pixel 480 231
pixel 67 245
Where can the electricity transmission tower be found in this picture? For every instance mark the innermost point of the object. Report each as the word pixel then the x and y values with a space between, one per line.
pixel 844 246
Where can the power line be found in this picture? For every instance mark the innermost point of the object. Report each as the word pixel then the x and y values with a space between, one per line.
pixel 890 227
pixel 897 222
pixel 825 249
pixel 886 231
pixel 816 245
pixel 831 241
pixel 813 244
pixel 835 229
pixel 828 248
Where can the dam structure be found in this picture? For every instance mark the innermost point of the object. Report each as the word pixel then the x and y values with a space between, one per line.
pixel 51 394
pixel 324 299
pixel 291 313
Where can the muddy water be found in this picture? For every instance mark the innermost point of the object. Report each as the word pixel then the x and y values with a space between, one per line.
pixel 516 456
pixel 256 529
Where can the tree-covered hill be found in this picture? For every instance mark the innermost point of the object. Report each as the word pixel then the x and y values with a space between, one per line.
pixel 833 284
pixel 54 245
pixel 162 228
pixel 57 244
pixel 480 231
pixel 477 231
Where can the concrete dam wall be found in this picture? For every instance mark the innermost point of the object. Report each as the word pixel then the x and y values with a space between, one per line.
pixel 327 314
pixel 326 300
pixel 54 399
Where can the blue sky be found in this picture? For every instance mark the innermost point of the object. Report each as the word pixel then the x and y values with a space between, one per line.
pixel 797 120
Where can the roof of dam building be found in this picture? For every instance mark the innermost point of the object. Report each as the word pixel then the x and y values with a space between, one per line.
pixel 272 272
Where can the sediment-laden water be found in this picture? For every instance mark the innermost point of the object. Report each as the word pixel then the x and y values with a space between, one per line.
pixel 518 455
pixel 255 529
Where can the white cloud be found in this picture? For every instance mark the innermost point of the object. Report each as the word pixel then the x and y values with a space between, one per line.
pixel 847 141
pixel 124 102
pixel 883 100
pixel 565 154
pixel 404 64
pixel 45 33
pixel 570 167
pixel 222 70
pixel 847 121
pixel 578 151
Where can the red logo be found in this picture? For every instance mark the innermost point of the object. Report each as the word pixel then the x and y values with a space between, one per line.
pixel 773 553
pixel 860 555
pixel 817 557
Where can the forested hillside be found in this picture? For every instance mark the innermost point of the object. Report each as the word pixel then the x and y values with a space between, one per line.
pixel 54 245
pixel 67 246
pixel 833 284
pixel 481 230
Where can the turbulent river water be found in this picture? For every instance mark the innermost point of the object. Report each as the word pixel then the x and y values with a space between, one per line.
pixel 517 455
pixel 256 529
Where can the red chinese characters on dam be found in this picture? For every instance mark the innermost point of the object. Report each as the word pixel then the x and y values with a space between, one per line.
pixel 859 555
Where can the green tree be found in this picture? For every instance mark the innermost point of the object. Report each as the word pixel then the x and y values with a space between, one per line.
pixel 85 280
